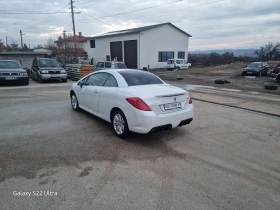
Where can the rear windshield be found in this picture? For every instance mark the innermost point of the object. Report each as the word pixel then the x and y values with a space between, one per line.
pixel 9 65
pixel 170 61
pixel 136 77
pixel 120 66
pixel 255 65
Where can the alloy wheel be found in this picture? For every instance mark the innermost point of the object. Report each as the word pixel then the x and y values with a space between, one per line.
pixel 74 101
pixel 119 124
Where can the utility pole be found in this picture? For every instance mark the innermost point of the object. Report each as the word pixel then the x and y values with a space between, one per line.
pixel 64 35
pixel 21 38
pixel 74 30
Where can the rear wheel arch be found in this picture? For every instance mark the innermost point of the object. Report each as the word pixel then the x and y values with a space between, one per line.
pixel 113 111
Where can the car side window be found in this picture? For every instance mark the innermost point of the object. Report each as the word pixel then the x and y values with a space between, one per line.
pixel 97 79
pixel 177 61
pixel 111 82
pixel 181 61
pixel 100 64
pixel 108 65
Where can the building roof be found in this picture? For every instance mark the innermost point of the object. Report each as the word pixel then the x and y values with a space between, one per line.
pixel 135 30
pixel 72 39
pixel 79 51
pixel 24 53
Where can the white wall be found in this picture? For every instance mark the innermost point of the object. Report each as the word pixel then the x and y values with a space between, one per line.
pixel 102 46
pixel 25 59
pixel 161 39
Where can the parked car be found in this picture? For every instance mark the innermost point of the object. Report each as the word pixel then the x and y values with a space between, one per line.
pixel 132 100
pixel 275 73
pixel 256 69
pixel 109 65
pixel 177 64
pixel 46 69
pixel 11 72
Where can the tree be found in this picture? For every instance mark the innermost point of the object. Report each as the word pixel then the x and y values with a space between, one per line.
pixel 25 48
pixel 50 44
pixel 269 52
pixel 2 46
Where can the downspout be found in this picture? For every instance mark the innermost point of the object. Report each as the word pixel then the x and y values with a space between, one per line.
pixel 139 51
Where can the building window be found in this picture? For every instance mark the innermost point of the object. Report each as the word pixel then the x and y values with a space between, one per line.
pixel 164 56
pixel 181 55
pixel 92 43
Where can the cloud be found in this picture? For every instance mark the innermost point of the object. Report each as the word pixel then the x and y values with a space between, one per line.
pixel 214 24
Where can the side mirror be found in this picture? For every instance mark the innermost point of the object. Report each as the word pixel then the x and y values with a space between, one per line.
pixel 81 83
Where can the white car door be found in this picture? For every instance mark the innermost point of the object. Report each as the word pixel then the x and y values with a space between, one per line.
pixel 91 90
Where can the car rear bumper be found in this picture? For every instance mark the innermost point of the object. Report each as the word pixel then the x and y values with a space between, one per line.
pixel 53 76
pixel 17 80
pixel 145 121
pixel 250 73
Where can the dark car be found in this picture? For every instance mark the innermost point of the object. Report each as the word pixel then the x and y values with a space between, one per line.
pixel 46 69
pixel 275 73
pixel 109 65
pixel 256 69
pixel 11 72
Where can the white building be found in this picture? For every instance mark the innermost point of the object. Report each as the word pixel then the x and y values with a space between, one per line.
pixel 140 47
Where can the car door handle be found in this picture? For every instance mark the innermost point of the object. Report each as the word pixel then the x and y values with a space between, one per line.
pixel 95 91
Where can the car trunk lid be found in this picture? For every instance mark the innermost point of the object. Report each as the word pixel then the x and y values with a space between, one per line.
pixel 162 98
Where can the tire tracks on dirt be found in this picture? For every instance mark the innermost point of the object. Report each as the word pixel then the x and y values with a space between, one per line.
pixel 166 191
pixel 105 176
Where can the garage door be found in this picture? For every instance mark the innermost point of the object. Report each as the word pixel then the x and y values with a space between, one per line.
pixel 130 54
pixel 116 50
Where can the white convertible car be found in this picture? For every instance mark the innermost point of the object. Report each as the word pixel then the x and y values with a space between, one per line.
pixel 132 100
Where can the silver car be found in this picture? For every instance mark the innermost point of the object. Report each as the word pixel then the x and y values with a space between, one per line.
pixel 12 72
pixel 109 65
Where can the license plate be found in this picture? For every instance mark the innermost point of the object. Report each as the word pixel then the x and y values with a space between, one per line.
pixel 172 106
pixel 54 75
pixel 249 72
pixel 10 78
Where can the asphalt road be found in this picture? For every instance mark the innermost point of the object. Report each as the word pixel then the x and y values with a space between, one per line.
pixel 225 159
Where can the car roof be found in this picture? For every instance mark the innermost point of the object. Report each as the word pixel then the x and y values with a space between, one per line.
pixel 9 60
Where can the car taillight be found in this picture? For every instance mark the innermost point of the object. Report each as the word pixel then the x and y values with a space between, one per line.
pixel 190 101
pixel 138 103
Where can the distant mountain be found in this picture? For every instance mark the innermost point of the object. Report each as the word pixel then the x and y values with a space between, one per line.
pixel 238 52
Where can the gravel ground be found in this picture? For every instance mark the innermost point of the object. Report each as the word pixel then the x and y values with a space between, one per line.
pixel 231 72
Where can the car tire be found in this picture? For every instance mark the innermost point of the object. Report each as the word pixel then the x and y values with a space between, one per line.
pixel 74 102
pixel 119 124
pixel 64 80
pixel 219 81
pixel 31 76
pixel 260 74
pixel 271 87
pixel 39 80
pixel 26 82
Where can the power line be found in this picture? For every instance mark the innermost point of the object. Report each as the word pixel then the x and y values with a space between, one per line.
pixel 34 13
pixel 87 2
pixel 172 2
pixel 94 17
pixel 230 14
pixel 211 2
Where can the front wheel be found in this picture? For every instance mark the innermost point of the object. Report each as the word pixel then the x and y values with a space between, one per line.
pixel 119 124
pixel 74 102
pixel 39 80
pixel 64 80
pixel 260 74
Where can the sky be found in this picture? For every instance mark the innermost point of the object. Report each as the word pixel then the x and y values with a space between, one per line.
pixel 213 24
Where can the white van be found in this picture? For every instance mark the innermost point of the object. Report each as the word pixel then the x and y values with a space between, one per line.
pixel 177 64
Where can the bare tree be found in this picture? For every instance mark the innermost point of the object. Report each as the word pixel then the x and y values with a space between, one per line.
pixel 50 44
pixel 269 52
